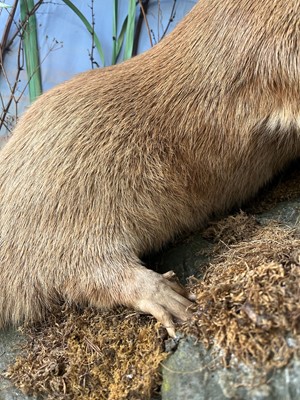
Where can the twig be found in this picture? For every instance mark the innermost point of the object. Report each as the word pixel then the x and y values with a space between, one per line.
pixel 146 21
pixel 93 62
pixel 20 26
pixel 159 13
pixel 12 89
pixel 171 19
pixel 6 32
pixel 42 61
pixel 139 27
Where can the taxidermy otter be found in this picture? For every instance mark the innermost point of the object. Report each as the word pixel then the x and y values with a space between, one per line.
pixel 117 161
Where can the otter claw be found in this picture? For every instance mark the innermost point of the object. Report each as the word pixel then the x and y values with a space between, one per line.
pixel 165 299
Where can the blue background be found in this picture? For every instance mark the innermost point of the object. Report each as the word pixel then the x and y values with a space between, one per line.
pixel 64 42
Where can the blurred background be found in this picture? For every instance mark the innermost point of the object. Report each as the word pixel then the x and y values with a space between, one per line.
pixel 45 42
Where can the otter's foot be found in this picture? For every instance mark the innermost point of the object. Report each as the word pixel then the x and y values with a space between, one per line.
pixel 162 297
pixel 134 286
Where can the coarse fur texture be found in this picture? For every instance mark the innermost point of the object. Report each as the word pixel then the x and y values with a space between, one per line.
pixel 116 161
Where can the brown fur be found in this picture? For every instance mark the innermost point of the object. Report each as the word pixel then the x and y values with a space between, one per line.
pixel 116 161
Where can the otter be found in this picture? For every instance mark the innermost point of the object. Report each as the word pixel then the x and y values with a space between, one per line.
pixel 117 161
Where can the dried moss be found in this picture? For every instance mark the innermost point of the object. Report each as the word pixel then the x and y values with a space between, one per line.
pixel 91 356
pixel 248 302
pixel 230 230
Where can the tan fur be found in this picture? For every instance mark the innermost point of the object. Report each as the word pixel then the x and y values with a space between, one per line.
pixel 116 161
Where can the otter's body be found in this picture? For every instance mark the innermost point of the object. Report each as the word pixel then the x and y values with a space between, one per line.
pixel 115 162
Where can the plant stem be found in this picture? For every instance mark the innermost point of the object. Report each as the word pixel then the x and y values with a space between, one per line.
pixel 88 27
pixel 130 30
pixel 31 48
pixel 115 32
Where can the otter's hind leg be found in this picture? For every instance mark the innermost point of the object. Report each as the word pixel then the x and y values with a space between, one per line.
pixel 129 283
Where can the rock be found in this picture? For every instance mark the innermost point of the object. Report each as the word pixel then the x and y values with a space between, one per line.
pixel 10 341
pixel 184 257
pixel 188 375
pixel 286 212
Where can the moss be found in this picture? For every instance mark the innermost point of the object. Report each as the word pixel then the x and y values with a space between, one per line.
pixel 248 302
pixel 113 355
